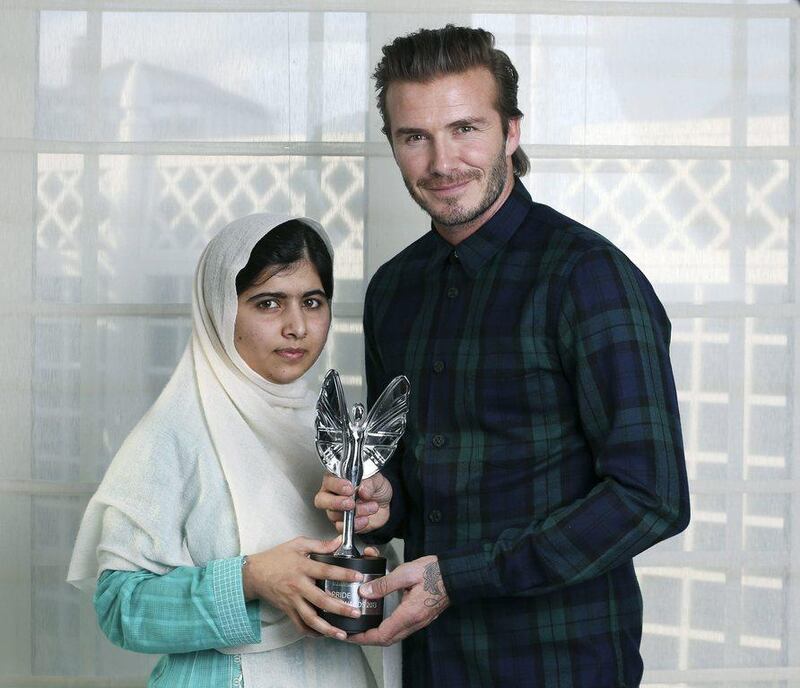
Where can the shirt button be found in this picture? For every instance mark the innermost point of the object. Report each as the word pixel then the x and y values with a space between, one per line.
pixel 452 292
pixel 434 516
pixel 438 366
pixel 438 440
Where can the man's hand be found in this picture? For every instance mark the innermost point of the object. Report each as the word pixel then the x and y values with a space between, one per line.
pixel 372 507
pixel 424 598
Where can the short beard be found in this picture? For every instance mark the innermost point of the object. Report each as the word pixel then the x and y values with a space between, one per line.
pixel 457 216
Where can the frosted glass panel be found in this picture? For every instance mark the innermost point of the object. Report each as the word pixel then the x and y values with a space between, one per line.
pixel 69 642
pixel 197 76
pixel 685 222
pixel 93 380
pixel 735 387
pixel 633 81
pixel 131 135
pixel 704 619
pixel 129 229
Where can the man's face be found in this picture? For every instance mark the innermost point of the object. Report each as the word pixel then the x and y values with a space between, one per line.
pixel 447 139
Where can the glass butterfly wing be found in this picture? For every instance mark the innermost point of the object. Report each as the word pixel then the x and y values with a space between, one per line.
pixel 332 423
pixel 385 425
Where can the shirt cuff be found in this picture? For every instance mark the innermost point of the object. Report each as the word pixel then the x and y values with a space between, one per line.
pixel 239 623
pixel 468 573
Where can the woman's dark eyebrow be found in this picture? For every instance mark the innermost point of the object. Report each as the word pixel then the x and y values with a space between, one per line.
pixel 268 294
pixel 282 295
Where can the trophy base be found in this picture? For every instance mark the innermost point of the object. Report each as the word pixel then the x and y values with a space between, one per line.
pixel 371 610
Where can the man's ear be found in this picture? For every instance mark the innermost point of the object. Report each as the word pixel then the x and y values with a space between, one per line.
pixel 513 135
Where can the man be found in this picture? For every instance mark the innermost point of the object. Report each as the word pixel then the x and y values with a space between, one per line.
pixel 543 447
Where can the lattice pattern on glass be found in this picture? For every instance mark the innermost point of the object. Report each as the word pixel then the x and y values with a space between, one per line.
pixel 706 616
pixel 59 217
pixel 682 221
pixel 195 197
pixel 153 215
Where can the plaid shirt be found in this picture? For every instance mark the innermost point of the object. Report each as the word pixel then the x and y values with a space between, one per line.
pixel 185 613
pixel 543 449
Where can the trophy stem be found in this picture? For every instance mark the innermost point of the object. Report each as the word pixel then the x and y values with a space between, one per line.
pixel 347 548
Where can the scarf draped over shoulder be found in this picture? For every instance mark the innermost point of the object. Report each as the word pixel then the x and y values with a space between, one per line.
pixel 222 464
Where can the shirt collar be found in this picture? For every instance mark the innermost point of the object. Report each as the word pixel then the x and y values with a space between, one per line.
pixel 479 248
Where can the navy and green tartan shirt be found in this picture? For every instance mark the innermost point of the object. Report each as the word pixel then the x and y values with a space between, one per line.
pixel 543 448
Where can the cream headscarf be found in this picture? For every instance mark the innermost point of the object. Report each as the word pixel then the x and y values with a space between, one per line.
pixel 214 413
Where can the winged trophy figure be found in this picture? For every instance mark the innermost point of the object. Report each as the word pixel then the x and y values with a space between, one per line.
pixel 356 445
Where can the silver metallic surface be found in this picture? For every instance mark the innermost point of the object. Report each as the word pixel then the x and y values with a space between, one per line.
pixel 356 445
pixel 348 593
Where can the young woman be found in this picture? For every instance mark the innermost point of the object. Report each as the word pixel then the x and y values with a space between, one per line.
pixel 223 465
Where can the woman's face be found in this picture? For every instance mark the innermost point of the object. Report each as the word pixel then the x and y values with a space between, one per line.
pixel 282 323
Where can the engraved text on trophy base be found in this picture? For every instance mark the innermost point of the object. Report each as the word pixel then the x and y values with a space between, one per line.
pixel 348 593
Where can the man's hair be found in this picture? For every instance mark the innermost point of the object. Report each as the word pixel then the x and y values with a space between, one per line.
pixel 429 53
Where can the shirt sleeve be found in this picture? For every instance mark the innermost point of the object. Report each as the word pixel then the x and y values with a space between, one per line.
pixel 613 341
pixel 188 609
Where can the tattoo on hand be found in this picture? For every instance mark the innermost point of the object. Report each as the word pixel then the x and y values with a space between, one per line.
pixel 432 581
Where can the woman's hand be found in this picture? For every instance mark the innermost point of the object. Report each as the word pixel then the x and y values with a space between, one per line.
pixel 372 508
pixel 285 577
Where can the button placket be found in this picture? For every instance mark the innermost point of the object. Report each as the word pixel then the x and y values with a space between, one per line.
pixel 239 679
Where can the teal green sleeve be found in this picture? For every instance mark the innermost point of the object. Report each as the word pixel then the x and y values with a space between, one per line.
pixel 186 610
